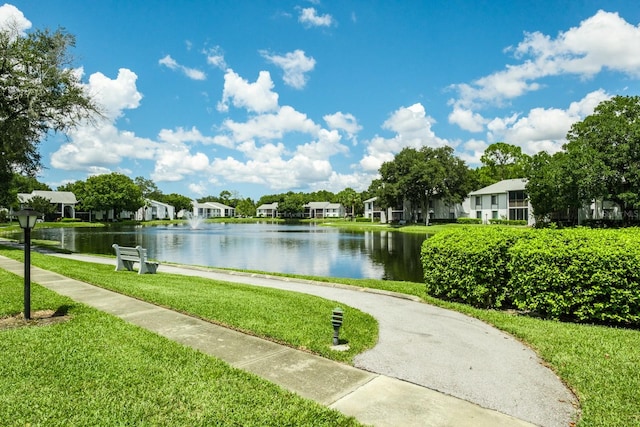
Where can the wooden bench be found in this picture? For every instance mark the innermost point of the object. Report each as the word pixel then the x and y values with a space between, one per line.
pixel 125 257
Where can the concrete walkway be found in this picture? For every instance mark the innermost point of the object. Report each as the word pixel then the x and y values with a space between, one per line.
pixel 421 349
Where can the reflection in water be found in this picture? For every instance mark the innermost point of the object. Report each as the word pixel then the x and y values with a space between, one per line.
pixel 297 249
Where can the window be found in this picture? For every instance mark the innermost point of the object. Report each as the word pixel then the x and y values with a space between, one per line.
pixel 479 214
pixel 494 199
pixel 478 201
pixel 494 214
pixel 519 214
pixel 517 199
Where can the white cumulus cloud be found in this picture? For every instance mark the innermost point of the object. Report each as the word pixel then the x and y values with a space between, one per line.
pixel 543 128
pixel 309 17
pixel 294 64
pixel 114 96
pixel 412 128
pixel 12 19
pixel 270 126
pixel 603 41
pixel 256 97
pixel 343 122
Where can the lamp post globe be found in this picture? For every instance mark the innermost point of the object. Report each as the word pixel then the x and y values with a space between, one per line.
pixel 27 218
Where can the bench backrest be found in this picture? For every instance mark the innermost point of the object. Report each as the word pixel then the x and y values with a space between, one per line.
pixel 138 253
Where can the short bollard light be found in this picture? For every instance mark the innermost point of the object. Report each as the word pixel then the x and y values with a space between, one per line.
pixel 336 320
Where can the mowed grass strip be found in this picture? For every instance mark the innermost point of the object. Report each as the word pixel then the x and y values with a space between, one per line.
pixel 95 369
pixel 295 319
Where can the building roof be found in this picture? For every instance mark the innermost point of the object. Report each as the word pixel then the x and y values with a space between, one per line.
pixel 64 197
pixel 213 205
pixel 155 202
pixel 273 205
pixel 373 199
pixel 317 205
pixel 504 186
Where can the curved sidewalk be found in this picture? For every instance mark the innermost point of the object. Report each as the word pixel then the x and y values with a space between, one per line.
pixel 429 348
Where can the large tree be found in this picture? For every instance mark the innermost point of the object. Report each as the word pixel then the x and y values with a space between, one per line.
pixel 78 190
pixel 246 207
pixel 292 205
pixel 178 201
pixel 553 187
pixel 148 188
pixel 39 93
pixel 420 175
pixel 350 199
pixel 605 148
pixel 501 161
pixel 112 191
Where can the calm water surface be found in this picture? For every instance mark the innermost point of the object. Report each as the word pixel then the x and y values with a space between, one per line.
pixel 296 249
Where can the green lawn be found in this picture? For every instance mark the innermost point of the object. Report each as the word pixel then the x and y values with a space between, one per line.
pixel 299 320
pixel 96 369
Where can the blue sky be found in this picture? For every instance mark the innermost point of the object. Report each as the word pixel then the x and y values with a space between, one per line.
pixel 264 97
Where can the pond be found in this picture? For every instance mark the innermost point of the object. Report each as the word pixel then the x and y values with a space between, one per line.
pixel 295 249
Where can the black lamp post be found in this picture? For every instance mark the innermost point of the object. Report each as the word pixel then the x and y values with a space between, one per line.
pixel 27 219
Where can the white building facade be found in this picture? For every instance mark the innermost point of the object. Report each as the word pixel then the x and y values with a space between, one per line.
pixel 506 199
pixel 153 209
pixel 65 201
pixel 213 210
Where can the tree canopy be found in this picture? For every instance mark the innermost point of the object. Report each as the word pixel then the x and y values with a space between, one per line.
pixel 246 207
pixel 501 161
pixel 111 191
pixel 41 92
pixel 350 199
pixel 148 188
pixel 605 148
pixel 419 175
pixel 553 187
pixel 600 161
pixel 178 201
pixel 292 205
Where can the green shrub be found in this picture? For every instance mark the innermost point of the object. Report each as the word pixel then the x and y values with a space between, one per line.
pixel 70 220
pixel 469 265
pixel 443 221
pixel 363 219
pixel 578 274
pixel 469 221
pixel 507 222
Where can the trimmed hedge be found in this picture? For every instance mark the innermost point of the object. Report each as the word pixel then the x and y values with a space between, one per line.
pixel 578 274
pixel 507 222
pixel 469 221
pixel 571 274
pixel 469 265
